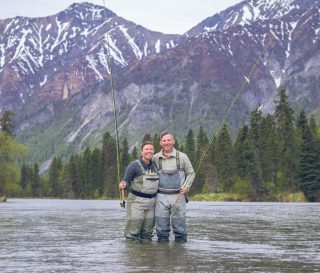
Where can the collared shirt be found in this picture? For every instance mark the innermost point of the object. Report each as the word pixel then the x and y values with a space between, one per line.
pixel 170 164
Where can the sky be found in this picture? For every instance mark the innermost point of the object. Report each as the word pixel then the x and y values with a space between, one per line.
pixel 167 16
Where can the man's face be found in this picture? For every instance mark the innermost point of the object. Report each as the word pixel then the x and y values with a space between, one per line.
pixel 167 142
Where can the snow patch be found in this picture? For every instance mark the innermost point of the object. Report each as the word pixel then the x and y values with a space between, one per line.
pixel 115 53
pixel 157 46
pixel 9 25
pixel 20 48
pixel 131 41
pixel 93 64
pixel 145 49
pixel 276 78
pixel 43 81
pixel 209 29
pixel 2 56
pixel 61 28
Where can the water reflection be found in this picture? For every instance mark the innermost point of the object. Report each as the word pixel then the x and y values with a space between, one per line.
pixel 87 236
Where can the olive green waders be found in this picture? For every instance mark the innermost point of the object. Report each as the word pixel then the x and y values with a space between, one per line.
pixel 140 208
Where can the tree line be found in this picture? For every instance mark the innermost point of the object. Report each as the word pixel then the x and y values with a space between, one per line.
pixel 272 154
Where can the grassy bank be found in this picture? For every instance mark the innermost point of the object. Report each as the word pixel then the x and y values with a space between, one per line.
pixel 281 197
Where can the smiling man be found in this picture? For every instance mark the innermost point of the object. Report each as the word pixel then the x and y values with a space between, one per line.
pixel 176 176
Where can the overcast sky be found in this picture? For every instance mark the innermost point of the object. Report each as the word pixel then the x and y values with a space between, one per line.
pixel 167 16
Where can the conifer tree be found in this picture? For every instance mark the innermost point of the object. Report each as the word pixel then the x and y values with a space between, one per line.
pixel 110 178
pixel 257 180
pixel 202 142
pixel 287 152
pixel 134 154
pixel 74 178
pixel 87 173
pixel 190 147
pixel 54 173
pixel 7 122
pixel 268 149
pixel 177 145
pixel 146 137
pixel 124 156
pixel 35 181
pixel 309 167
pixel 156 143
pixel 96 173
pixel 224 159
pixel 103 160
pixel 210 165
pixel 244 157
pixel 24 176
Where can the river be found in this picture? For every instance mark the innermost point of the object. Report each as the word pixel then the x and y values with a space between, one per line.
pixel 39 235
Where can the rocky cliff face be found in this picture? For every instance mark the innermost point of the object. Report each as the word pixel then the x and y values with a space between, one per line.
pixel 62 88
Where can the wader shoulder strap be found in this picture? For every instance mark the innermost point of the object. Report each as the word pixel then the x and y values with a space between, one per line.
pixel 141 166
pixel 177 162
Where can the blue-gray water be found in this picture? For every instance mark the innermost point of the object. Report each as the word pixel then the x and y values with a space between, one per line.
pixel 87 236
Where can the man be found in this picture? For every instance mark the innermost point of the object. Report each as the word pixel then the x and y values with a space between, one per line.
pixel 176 176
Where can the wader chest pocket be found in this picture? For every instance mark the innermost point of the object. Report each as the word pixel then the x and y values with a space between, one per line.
pixel 170 180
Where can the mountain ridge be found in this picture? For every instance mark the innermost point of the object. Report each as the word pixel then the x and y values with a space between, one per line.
pixel 174 82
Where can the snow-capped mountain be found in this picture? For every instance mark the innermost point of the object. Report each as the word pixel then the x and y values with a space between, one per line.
pixel 54 71
pixel 52 58
pixel 251 11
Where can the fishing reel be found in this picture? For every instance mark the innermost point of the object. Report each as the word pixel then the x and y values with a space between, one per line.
pixel 123 204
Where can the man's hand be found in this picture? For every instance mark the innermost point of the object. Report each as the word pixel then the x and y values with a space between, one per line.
pixel 122 185
pixel 183 190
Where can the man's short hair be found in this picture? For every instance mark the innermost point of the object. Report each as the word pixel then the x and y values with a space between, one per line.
pixel 166 133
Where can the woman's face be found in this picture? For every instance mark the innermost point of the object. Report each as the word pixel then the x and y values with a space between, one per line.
pixel 147 152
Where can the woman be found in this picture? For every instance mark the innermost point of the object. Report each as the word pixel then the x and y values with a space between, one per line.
pixel 142 180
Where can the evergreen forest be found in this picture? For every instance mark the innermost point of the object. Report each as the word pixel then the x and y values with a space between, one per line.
pixel 271 157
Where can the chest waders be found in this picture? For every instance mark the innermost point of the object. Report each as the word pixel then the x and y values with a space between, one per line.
pixel 170 183
pixel 140 208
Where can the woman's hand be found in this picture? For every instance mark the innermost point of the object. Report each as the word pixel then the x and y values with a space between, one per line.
pixel 122 185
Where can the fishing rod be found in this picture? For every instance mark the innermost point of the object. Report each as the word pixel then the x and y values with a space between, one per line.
pixel 244 84
pixel 122 195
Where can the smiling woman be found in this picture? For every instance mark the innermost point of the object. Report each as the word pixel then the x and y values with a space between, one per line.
pixel 142 179
pixel 174 17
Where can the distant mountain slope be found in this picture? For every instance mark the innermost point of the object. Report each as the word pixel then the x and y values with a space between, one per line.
pixel 47 59
pixel 61 89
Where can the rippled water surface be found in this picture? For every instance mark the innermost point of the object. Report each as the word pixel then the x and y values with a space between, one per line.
pixel 87 236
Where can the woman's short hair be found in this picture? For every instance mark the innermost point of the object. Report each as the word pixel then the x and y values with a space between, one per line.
pixel 147 142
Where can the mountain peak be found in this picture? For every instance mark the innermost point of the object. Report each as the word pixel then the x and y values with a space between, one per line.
pixel 89 11
pixel 249 11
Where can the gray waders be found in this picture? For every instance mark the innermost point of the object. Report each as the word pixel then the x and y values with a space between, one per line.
pixel 169 188
pixel 140 208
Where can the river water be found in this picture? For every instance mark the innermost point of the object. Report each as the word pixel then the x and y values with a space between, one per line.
pixel 87 236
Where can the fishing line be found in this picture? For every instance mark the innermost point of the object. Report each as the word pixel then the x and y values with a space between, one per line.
pixel 244 84
pixel 122 201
